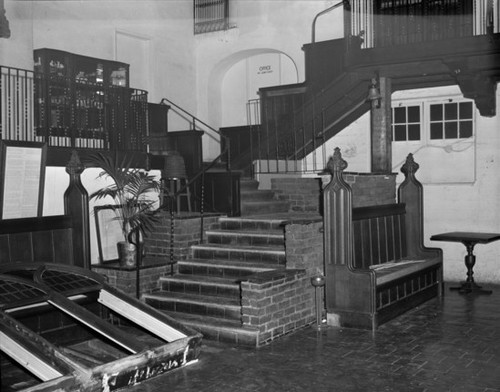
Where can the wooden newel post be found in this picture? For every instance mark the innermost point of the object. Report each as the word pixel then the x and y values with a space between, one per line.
pixel 76 204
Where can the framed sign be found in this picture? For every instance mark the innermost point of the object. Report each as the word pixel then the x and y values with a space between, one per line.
pixel 109 233
pixel 22 179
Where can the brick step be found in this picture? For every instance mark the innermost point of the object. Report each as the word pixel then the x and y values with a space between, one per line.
pixel 227 331
pixel 265 254
pixel 248 184
pixel 201 285
pixel 256 195
pixel 247 237
pixel 243 223
pixel 263 207
pixel 222 307
pixel 223 268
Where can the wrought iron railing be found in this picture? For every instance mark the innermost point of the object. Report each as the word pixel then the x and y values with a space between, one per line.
pixel 71 113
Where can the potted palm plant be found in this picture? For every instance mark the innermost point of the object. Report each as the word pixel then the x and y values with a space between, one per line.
pixel 131 191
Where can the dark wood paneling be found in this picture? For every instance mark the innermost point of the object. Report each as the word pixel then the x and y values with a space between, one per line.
pixel 46 239
pixel 20 247
pixel 41 249
pixel 222 192
pixel 63 246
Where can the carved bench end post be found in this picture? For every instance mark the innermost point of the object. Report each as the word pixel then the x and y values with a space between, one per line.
pixel 337 199
pixel 410 192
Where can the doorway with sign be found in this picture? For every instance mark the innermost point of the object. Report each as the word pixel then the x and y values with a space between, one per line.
pixel 242 81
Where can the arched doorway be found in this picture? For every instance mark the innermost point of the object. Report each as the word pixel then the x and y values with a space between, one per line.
pixel 242 80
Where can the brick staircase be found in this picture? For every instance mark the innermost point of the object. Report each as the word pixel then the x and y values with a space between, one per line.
pixel 256 201
pixel 205 293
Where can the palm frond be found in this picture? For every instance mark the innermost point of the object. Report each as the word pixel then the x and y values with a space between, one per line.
pixel 130 190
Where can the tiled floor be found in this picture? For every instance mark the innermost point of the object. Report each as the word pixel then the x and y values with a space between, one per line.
pixel 445 345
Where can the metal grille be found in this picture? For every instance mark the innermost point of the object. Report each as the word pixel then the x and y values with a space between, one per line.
pixel 12 292
pixel 211 15
pixel 66 281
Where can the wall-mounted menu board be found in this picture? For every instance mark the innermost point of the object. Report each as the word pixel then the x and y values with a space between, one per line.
pixel 22 177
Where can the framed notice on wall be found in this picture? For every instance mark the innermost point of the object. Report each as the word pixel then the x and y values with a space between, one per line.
pixel 22 178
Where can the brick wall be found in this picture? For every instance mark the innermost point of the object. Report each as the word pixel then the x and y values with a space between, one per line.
pixel 304 245
pixel 125 279
pixel 370 189
pixel 278 304
pixel 186 233
pixel 157 247
pixel 304 194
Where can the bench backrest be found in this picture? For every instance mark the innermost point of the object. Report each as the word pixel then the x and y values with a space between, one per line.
pixel 383 233
pixel 379 234
pixel 47 239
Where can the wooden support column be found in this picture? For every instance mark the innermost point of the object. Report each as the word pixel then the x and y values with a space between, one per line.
pixel 381 135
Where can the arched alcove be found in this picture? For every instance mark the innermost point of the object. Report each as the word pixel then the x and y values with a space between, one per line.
pixel 243 79
pixel 237 78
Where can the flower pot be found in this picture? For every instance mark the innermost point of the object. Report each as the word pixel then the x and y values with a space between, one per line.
pixel 126 254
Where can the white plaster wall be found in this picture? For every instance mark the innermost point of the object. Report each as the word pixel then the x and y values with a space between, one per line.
pixel 275 26
pixel 17 51
pixel 88 27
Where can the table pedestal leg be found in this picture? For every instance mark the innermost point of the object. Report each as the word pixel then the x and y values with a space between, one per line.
pixel 469 286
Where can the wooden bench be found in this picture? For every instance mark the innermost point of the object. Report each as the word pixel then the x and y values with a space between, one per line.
pixel 376 265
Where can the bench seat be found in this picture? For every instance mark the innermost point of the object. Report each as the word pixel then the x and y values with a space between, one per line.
pixel 391 271
pixel 376 265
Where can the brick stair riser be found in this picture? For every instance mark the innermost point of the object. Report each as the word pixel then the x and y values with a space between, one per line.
pixel 250 185
pixel 201 309
pixel 257 196
pixel 263 208
pixel 216 270
pixel 239 255
pixel 242 239
pixel 205 289
pixel 241 224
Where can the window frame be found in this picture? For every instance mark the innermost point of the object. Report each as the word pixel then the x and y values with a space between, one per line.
pixel 425 119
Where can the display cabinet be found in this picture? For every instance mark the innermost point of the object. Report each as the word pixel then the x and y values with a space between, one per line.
pixel 86 102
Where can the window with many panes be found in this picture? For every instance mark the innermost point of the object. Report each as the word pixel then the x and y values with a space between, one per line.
pixel 433 121
pixel 451 120
pixel 406 123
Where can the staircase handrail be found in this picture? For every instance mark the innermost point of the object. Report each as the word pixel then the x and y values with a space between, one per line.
pixel 313 38
pixel 194 120
pixel 225 151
